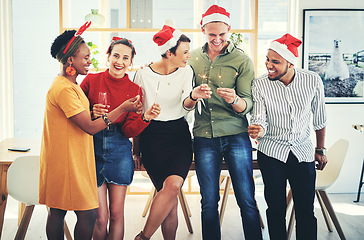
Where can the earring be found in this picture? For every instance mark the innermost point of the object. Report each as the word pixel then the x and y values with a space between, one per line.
pixel 130 68
pixel 70 71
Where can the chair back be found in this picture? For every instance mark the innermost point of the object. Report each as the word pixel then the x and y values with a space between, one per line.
pixel 335 158
pixel 23 180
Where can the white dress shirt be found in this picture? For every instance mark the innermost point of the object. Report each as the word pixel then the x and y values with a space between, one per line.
pixel 285 114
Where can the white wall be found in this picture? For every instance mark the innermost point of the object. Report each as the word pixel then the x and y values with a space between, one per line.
pixel 35 26
pixel 6 71
pixel 341 117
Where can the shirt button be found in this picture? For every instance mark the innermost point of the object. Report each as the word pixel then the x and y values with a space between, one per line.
pixel 212 121
pixel 207 132
pixel 210 109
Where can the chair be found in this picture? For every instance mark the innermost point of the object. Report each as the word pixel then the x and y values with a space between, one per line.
pixel 324 179
pixel 23 186
pixel 225 175
pixel 182 199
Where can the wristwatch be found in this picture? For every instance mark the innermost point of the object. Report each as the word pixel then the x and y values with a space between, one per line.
pixel 320 151
pixel 235 101
pixel 106 120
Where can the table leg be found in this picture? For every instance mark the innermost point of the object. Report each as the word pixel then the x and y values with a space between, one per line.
pixel 360 183
pixel 3 193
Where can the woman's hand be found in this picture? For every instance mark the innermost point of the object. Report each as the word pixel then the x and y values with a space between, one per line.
pixel 152 112
pixel 133 105
pixel 99 109
pixel 202 91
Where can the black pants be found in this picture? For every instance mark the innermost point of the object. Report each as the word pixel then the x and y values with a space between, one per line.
pixel 301 177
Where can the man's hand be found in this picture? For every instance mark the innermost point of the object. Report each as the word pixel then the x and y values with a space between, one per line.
pixel 320 161
pixel 255 131
pixel 228 94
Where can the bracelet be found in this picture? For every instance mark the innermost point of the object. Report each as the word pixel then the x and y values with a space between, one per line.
pixel 235 100
pixel 106 120
pixel 193 99
pixel 144 119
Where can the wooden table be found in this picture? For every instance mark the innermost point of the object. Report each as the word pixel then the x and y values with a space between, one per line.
pixel 6 158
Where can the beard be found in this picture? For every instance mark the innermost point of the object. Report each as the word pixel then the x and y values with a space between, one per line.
pixel 280 75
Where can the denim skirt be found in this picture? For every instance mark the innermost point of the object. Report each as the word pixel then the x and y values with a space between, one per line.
pixel 113 156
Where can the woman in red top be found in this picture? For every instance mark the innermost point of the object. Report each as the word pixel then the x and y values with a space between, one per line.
pixel 113 155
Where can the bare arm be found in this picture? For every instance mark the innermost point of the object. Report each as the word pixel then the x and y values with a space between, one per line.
pixel 83 120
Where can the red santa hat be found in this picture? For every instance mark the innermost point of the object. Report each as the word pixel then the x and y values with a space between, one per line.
pixel 166 38
pixel 215 14
pixel 286 46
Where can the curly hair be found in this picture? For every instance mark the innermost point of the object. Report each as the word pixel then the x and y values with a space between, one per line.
pixel 61 41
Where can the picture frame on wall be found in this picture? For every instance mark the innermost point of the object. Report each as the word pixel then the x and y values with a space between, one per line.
pixel 333 47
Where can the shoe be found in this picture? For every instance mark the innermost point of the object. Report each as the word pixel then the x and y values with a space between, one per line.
pixel 141 236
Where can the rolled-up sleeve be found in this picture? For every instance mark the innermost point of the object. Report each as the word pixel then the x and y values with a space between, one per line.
pixel 318 107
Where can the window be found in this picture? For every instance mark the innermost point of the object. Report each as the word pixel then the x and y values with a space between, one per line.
pixel 139 20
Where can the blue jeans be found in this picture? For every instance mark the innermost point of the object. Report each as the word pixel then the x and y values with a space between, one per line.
pixel 237 152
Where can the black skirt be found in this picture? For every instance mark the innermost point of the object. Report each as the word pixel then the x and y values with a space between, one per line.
pixel 166 150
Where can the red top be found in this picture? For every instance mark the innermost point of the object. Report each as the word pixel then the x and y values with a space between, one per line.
pixel 118 91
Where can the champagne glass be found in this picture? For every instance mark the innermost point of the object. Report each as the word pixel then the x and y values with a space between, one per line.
pixel 102 98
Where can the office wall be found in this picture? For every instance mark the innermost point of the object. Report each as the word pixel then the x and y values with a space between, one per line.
pixel 6 71
pixel 35 25
pixel 341 117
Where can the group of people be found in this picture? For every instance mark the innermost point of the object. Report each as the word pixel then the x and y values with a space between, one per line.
pixel 89 175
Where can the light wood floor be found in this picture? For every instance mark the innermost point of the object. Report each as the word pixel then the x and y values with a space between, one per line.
pixel 350 215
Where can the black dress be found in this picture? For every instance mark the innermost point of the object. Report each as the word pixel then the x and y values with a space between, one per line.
pixel 166 148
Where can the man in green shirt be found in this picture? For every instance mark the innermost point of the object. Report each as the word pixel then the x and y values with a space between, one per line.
pixel 220 128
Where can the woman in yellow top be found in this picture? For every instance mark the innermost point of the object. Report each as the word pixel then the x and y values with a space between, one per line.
pixel 67 163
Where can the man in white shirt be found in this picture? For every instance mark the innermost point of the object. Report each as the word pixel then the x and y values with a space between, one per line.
pixel 285 98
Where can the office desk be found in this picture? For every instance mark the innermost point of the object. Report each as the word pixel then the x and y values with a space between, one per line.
pixel 6 158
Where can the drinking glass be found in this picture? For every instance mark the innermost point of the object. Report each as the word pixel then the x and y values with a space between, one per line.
pixel 102 98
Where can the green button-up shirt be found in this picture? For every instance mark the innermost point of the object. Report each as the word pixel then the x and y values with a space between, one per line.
pixel 231 69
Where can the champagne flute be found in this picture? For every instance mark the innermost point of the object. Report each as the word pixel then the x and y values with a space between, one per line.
pixel 102 98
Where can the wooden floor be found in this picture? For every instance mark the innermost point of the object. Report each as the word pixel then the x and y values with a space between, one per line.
pixel 350 215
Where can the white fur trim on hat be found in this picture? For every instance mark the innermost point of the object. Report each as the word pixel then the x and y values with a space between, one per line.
pixel 171 42
pixel 215 17
pixel 282 50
